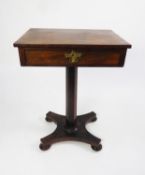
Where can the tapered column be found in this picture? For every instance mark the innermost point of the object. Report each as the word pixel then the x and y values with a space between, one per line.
pixel 71 94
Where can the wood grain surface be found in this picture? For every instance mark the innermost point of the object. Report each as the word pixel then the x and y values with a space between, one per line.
pixel 48 47
pixel 63 37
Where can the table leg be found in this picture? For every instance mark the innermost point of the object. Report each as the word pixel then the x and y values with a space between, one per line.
pixel 71 126
pixel 71 94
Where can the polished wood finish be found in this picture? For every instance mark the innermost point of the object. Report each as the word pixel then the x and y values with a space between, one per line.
pixel 56 57
pixel 71 37
pixel 62 134
pixel 47 47
pixel 71 126
pixel 71 48
pixel 71 94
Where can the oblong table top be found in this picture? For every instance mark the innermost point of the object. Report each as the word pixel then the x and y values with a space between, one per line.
pixel 36 37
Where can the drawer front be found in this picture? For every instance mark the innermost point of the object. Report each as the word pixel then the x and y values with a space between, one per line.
pixel 72 57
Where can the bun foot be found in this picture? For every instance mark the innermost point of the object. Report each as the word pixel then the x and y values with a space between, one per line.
pixel 48 119
pixel 96 148
pixel 94 119
pixel 44 147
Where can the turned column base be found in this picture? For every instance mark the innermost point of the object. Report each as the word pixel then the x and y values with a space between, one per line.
pixel 66 132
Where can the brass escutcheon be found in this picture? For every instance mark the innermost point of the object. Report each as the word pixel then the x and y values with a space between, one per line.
pixel 73 56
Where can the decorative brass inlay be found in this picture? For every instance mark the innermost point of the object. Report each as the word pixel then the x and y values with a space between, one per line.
pixel 73 56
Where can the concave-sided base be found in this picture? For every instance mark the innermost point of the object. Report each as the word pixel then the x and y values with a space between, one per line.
pixel 66 132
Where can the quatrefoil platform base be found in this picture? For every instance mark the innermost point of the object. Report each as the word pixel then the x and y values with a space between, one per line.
pixel 66 132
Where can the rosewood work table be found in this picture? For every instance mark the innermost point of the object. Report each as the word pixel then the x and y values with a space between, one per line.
pixel 71 48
